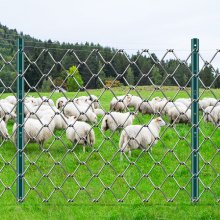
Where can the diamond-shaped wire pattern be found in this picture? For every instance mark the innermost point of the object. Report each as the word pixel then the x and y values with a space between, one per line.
pixel 106 126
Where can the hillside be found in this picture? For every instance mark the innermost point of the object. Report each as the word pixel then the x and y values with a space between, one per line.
pixel 90 59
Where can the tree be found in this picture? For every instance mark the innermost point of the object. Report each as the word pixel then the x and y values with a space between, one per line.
pixel 74 81
pixel 130 76
pixel 101 77
pixel 206 76
pixel 46 86
pixel 156 76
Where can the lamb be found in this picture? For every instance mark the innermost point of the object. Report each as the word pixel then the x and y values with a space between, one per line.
pixel 179 115
pixel 37 131
pixel 116 120
pixel 80 132
pixel 138 136
pixel 135 102
pixel 3 130
pixel 120 103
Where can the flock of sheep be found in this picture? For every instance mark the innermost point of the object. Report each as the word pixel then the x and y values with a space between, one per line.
pixel 77 116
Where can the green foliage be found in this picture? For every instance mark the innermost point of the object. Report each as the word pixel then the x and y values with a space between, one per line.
pixel 156 76
pixel 74 81
pixel 46 86
pixel 130 76
pixel 101 77
pixel 206 76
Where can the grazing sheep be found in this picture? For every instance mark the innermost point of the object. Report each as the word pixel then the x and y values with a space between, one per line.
pixel 185 101
pixel 160 105
pixel 99 111
pixel 61 102
pixel 11 99
pixel 3 130
pixel 116 120
pixel 179 115
pixel 215 115
pixel 147 107
pixel 37 131
pixel 120 103
pixel 80 132
pixel 7 111
pixel 138 136
pixel 81 112
pixel 169 105
pixel 135 102
pixel 207 115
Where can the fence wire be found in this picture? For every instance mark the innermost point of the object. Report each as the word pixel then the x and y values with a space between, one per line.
pixel 108 127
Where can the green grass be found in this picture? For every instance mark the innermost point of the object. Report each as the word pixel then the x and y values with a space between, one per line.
pixel 100 175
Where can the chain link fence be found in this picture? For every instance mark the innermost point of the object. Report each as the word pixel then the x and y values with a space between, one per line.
pixel 90 125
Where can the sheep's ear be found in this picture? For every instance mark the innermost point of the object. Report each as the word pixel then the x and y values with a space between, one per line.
pixel 4 118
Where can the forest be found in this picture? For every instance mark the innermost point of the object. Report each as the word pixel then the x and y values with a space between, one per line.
pixel 48 65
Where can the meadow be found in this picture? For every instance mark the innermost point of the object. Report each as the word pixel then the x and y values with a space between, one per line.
pixel 150 184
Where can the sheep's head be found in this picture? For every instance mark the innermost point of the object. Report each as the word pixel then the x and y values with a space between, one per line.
pixel 160 121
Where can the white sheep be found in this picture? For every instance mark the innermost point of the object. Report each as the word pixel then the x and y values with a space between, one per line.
pixel 139 136
pixel 215 115
pixel 7 110
pixel 135 102
pixel 120 103
pixel 208 114
pixel 185 101
pixel 99 111
pixel 81 112
pixel 11 99
pixel 179 114
pixel 147 107
pixel 36 131
pixel 61 102
pixel 116 120
pixel 80 132
pixel 3 130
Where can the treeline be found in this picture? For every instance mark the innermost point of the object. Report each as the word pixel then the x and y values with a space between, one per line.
pixel 47 66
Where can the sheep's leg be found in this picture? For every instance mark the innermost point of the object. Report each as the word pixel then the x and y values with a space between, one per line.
pixel 84 148
pixel 129 152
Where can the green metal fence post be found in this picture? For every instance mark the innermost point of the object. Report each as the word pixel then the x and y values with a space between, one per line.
pixel 20 120
pixel 195 118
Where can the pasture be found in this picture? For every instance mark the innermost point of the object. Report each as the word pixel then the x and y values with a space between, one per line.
pixel 95 181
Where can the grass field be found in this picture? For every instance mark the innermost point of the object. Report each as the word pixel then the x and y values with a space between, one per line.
pixel 95 187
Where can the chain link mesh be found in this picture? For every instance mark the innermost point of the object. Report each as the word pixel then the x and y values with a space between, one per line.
pixel 57 168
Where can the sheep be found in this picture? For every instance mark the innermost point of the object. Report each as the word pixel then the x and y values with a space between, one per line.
pixel 179 114
pixel 135 102
pixel 207 116
pixel 120 103
pixel 80 132
pixel 215 115
pixel 11 99
pixel 7 110
pixel 99 111
pixel 60 121
pixel 35 130
pixel 185 101
pixel 92 98
pixel 138 136
pixel 61 101
pixel 116 120
pixel 147 107
pixel 3 130
pixel 169 105
pixel 160 105
pixel 81 112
